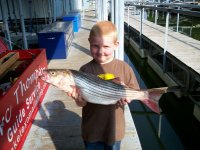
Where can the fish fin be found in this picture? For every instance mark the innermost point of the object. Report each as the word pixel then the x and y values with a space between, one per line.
pixel 153 105
pixel 154 95
pixel 152 98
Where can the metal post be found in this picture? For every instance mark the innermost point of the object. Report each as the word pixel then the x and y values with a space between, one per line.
pixel 159 125
pixel 128 15
pixel 166 40
pixel 116 54
pixel 9 16
pixel 143 13
pixel 54 10
pixel 156 15
pixel 49 11
pixel 22 25
pixel 99 10
pixel 14 14
pixel 121 29
pixel 113 11
pixel 141 10
pixel 6 29
pixel 177 22
pixel 116 13
pixel 83 9
pixel 102 9
pixel 128 19
pixel 70 5
pixel 43 7
pixel 30 15
pixel 191 31
pixel 105 10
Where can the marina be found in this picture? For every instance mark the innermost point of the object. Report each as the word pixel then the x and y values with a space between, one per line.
pixel 160 55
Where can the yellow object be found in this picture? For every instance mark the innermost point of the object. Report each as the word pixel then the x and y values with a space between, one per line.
pixel 106 76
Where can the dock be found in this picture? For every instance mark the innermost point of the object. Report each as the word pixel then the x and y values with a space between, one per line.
pixel 182 52
pixel 57 124
pixel 182 47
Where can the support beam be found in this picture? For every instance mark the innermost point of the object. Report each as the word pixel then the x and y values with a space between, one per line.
pixel 166 41
pixel 25 45
pixel 121 29
pixel 6 28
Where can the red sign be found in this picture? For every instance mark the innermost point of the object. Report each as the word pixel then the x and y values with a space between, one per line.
pixel 20 104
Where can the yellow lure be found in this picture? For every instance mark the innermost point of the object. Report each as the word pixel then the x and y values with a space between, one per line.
pixel 107 76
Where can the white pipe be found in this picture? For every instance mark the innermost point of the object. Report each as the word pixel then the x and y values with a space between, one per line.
pixel 105 10
pixel 159 125
pixel 112 11
pixel 166 40
pixel 177 23
pixel 156 16
pixel 116 24
pixel 121 29
pixel 141 16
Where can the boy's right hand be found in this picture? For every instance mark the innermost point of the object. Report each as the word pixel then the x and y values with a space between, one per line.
pixel 76 95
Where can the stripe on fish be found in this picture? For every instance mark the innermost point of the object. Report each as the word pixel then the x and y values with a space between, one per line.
pixel 96 90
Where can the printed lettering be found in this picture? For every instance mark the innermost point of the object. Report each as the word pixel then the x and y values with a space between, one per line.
pixel 14 128
pixel 16 94
pixel 5 119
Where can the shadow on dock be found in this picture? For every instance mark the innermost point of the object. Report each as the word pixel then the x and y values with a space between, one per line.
pixel 81 48
pixel 61 125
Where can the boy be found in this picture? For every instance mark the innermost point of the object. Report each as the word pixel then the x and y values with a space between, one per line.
pixel 103 126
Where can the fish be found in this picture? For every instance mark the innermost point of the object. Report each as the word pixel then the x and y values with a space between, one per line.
pixel 95 90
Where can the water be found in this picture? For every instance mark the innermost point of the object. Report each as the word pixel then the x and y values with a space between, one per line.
pixel 178 129
pixel 188 25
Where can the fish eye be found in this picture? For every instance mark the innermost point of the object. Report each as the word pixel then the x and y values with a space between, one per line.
pixel 53 73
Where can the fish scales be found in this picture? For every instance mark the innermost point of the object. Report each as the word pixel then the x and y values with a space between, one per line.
pixel 98 87
pixel 93 80
pixel 96 90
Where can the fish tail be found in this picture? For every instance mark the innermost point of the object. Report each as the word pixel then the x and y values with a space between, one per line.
pixel 152 104
pixel 153 97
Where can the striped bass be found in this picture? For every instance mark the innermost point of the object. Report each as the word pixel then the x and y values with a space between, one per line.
pixel 96 90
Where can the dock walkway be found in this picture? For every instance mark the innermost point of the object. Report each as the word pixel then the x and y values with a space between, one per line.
pixel 184 48
pixel 57 124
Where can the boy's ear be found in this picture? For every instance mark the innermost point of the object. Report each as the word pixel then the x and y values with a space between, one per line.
pixel 117 43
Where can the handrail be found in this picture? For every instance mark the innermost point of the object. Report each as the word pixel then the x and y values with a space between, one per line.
pixel 183 9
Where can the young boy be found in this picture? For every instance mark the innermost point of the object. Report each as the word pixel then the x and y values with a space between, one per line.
pixel 103 126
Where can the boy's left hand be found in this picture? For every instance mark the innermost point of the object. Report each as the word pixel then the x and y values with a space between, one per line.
pixel 123 101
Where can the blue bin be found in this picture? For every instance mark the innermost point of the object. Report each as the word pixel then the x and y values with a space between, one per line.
pixel 75 17
pixel 56 38
pixel 79 17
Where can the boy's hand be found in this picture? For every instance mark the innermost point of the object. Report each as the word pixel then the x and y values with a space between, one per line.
pixel 75 94
pixel 123 101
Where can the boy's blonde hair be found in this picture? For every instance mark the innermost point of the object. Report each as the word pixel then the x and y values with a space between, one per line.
pixel 104 28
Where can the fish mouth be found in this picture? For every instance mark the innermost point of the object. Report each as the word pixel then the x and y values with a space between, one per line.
pixel 45 76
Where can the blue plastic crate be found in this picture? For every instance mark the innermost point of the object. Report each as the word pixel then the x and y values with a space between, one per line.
pixel 56 38
pixel 75 17
pixel 79 17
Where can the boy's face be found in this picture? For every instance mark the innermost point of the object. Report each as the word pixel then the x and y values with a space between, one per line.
pixel 102 48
